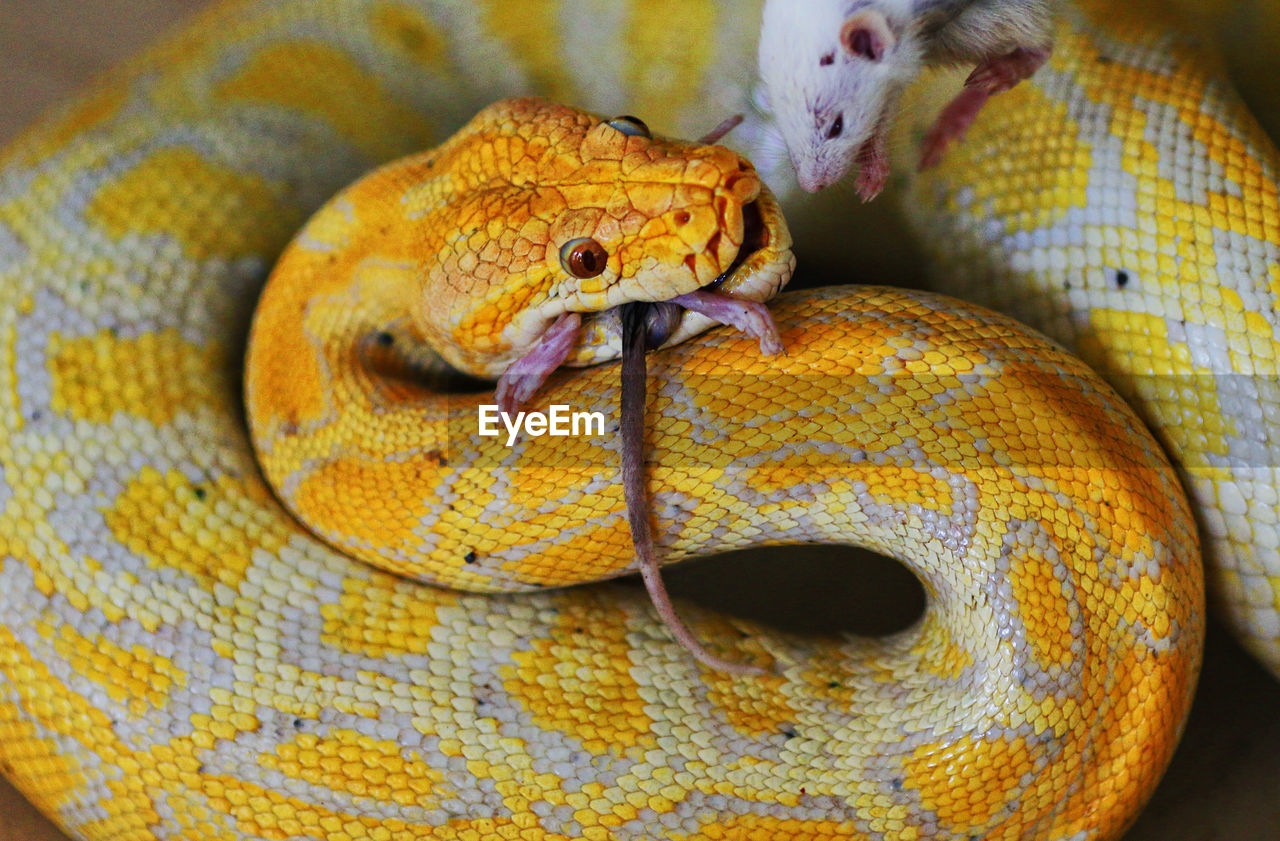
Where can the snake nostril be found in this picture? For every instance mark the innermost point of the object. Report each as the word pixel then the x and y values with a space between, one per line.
pixel 682 217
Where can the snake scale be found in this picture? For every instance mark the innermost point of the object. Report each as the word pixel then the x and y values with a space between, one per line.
pixel 181 659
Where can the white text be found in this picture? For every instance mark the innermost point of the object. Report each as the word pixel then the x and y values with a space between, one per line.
pixel 558 422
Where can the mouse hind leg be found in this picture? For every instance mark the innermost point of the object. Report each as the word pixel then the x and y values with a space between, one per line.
pixel 997 75
pixel 992 76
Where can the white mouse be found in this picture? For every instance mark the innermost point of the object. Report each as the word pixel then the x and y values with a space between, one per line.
pixel 835 70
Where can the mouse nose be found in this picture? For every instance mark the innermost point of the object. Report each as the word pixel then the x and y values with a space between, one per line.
pixel 810 174
pixel 810 180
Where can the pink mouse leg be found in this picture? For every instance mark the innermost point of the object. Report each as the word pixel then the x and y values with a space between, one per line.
pixel 527 374
pixel 992 76
pixel 750 317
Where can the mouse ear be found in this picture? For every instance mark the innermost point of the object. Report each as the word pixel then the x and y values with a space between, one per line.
pixel 867 35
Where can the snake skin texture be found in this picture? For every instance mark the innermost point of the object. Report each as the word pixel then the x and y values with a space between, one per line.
pixel 1126 204
pixel 182 660
pixel 367 260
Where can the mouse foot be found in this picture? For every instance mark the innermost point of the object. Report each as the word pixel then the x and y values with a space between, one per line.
pixel 524 376
pixel 873 164
pixel 751 317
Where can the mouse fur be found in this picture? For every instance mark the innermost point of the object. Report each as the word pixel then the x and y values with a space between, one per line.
pixel 835 70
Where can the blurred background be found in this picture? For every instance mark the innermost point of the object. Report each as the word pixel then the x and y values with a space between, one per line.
pixel 1225 779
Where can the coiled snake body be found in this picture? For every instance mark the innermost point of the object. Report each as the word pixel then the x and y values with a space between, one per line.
pixel 181 659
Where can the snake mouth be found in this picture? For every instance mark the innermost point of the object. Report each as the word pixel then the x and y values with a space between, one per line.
pixel 663 318
pixel 755 237
pixel 736 296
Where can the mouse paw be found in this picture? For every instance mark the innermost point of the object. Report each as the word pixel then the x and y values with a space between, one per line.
pixel 873 164
pixel 750 317
pixel 524 376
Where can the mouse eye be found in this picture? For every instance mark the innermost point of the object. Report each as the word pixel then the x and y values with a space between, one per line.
pixel 837 126
pixel 630 126
pixel 583 257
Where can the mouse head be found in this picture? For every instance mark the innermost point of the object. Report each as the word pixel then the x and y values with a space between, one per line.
pixel 833 71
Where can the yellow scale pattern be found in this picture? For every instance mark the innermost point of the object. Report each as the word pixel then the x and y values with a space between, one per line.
pixel 258 684
pixel 1125 203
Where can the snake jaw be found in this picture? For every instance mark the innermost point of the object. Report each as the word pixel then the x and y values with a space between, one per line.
pixel 759 270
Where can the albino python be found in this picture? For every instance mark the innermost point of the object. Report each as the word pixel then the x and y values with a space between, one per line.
pixel 181 658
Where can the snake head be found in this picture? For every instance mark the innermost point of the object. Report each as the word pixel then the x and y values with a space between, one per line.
pixel 536 213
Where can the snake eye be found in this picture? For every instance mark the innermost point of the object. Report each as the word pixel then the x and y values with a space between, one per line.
pixel 631 126
pixel 583 257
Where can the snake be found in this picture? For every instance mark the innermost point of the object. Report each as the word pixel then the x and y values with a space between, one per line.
pixel 183 658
